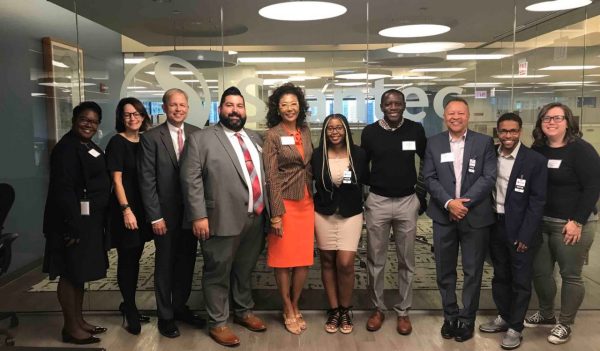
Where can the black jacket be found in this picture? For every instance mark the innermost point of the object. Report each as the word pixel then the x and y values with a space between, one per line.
pixel 347 199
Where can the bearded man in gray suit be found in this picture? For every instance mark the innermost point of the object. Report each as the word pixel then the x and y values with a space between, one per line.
pixel 224 194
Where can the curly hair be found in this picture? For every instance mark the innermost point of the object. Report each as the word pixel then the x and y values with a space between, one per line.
pixel 572 133
pixel 138 106
pixel 273 117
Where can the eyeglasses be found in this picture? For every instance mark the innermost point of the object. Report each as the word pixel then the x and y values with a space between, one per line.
pixel 338 129
pixel 508 131
pixel 556 119
pixel 132 115
pixel 84 120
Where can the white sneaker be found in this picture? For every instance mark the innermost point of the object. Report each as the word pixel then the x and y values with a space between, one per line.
pixel 559 334
pixel 511 340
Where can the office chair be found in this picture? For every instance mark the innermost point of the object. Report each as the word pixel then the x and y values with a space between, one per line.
pixel 7 197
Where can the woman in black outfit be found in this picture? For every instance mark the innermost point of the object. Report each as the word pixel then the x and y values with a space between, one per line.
pixel 78 196
pixel 339 170
pixel 570 217
pixel 128 226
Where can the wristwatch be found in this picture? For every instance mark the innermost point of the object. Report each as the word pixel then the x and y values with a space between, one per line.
pixel 124 207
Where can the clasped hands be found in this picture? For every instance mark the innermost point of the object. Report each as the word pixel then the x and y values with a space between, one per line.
pixel 457 209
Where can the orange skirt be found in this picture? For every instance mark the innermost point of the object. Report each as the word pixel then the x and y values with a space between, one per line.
pixel 296 247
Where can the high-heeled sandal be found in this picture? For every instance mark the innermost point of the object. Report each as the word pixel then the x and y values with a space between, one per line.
pixel 301 321
pixel 131 315
pixel 346 316
pixel 333 320
pixel 291 325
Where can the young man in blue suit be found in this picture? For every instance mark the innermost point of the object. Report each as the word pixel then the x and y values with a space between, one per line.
pixel 460 172
pixel 519 199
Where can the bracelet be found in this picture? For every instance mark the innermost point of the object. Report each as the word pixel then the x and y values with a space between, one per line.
pixel 275 222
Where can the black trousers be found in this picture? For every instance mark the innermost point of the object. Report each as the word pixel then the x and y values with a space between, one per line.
pixel 173 271
pixel 473 243
pixel 513 273
pixel 128 270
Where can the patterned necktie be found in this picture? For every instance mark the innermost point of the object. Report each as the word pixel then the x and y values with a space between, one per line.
pixel 179 142
pixel 257 198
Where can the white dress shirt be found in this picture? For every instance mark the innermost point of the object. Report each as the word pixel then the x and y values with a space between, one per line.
pixel 240 155
pixel 173 132
pixel 505 166
pixel 457 147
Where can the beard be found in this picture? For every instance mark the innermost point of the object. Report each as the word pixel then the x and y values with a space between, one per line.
pixel 236 126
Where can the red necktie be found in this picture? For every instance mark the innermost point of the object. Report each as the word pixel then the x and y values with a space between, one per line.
pixel 257 198
pixel 179 141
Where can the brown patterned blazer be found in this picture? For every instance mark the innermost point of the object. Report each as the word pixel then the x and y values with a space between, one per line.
pixel 287 174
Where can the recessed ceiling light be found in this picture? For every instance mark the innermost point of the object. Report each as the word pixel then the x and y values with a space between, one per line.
pixel 175 73
pixel 424 48
pixel 232 52
pixel 59 64
pixel 273 81
pixel 414 30
pixel 350 84
pixel 516 76
pixel 38 94
pixel 566 89
pixel 481 85
pixel 133 60
pixel 537 92
pixel 412 77
pixel 270 59
pixel 450 79
pixel 302 10
pixel 439 69
pixel 149 91
pixel 302 78
pixel 476 56
pixel 557 5
pixel 134 87
pixel 425 83
pixel 363 76
pixel 566 68
pixel 280 72
pixel 575 82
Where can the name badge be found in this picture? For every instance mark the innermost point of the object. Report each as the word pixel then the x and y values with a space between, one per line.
pixel 554 164
pixel 347 177
pixel 84 206
pixel 287 140
pixel 447 157
pixel 472 163
pixel 94 153
pixel 409 145
pixel 520 185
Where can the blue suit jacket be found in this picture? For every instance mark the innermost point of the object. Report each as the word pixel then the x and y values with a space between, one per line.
pixel 477 186
pixel 524 210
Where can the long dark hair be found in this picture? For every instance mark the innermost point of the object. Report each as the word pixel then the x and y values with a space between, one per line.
pixel 273 117
pixel 323 147
pixel 138 106
pixel 573 133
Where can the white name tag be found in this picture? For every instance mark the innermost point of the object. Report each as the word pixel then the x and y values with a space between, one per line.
pixel 409 145
pixel 84 206
pixel 347 177
pixel 287 140
pixel 521 182
pixel 472 163
pixel 94 153
pixel 447 157
pixel 554 164
pixel 520 185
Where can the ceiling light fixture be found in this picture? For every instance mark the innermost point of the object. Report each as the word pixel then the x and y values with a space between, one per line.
pixel 175 73
pixel 557 5
pixel 450 79
pixel 133 60
pixel 426 47
pixel 271 59
pixel 414 30
pixel 412 77
pixel 481 85
pixel 476 56
pixel 302 78
pixel 59 64
pixel 350 84
pixel 439 69
pixel 280 72
pixel 566 68
pixel 363 76
pixel 516 76
pixel 302 10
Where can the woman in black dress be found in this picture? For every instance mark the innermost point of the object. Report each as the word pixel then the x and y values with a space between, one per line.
pixel 128 226
pixel 74 218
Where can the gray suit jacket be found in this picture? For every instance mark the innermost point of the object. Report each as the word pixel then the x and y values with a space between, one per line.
pixel 158 172
pixel 213 181
pixel 477 186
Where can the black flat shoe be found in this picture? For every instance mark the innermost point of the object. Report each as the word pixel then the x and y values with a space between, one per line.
pixel 143 318
pixel 130 315
pixel 68 338
pixel 464 331
pixel 168 328
pixel 448 330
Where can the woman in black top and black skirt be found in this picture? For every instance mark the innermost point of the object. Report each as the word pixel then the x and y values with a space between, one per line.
pixel 570 217
pixel 339 169
pixel 74 219
pixel 128 226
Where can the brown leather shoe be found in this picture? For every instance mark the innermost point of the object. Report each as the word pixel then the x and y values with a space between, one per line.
pixel 375 321
pixel 224 336
pixel 251 322
pixel 404 327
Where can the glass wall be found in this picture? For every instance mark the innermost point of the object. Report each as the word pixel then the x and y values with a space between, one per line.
pixel 100 55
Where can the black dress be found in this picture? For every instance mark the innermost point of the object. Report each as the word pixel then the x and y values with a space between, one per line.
pixel 121 156
pixel 74 167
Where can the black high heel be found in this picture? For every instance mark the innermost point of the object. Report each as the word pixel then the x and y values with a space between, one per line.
pixel 132 317
pixel 143 318
pixel 68 338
